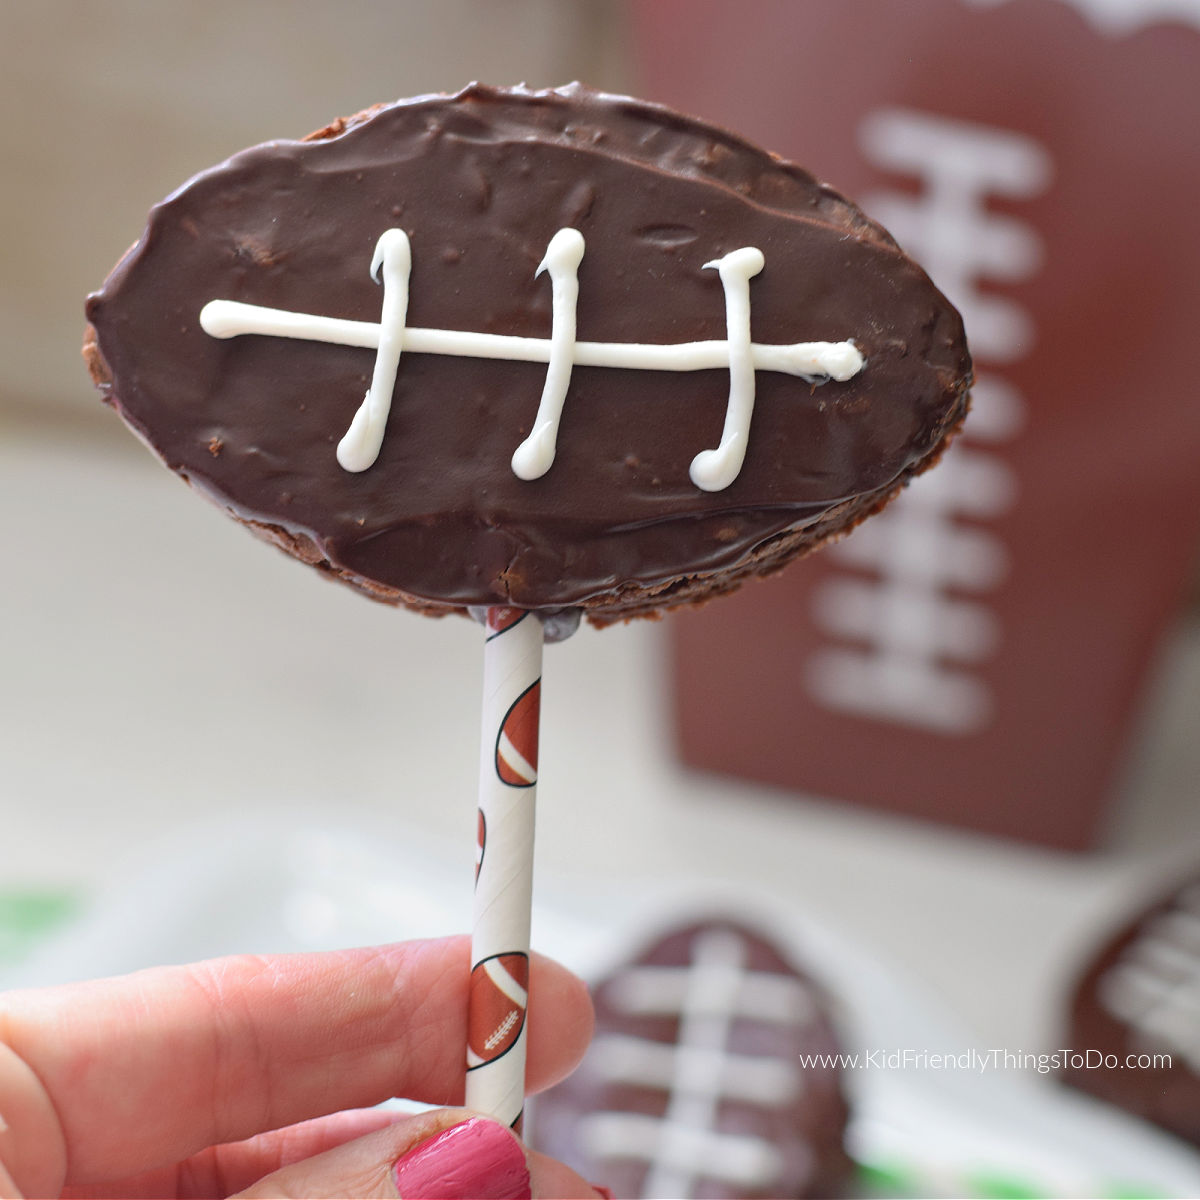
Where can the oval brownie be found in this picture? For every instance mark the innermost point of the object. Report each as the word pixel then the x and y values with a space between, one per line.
pixel 713 1072
pixel 440 214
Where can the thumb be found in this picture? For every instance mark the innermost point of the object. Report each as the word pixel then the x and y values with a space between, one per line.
pixel 444 1154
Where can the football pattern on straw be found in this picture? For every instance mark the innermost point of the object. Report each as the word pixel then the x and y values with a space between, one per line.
pixel 496 1031
pixel 480 843
pixel 500 618
pixel 499 996
pixel 517 741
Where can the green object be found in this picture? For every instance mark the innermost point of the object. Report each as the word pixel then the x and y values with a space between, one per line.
pixel 1003 1187
pixel 26 917
pixel 887 1179
pixel 897 1180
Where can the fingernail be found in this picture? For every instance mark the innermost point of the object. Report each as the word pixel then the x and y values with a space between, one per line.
pixel 477 1160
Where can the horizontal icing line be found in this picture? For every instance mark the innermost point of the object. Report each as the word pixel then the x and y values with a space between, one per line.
pixel 231 318
pixel 684 1153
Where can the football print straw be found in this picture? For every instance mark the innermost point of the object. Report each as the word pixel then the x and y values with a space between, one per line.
pixel 496 1027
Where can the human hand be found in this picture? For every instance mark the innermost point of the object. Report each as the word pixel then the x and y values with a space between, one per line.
pixel 256 1076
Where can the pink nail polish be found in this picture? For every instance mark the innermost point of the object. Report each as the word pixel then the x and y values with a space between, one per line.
pixel 477 1160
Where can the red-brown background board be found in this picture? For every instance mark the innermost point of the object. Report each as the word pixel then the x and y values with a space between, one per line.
pixel 1047 555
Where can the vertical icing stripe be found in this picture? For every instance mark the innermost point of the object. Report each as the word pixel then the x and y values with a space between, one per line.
pixel 534 456
pixel 360 446
pixel 714 470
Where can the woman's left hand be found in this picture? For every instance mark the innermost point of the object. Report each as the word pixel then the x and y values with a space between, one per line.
pixel 259 1076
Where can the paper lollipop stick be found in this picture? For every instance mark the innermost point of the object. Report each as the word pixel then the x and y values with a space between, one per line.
pixel 496 1029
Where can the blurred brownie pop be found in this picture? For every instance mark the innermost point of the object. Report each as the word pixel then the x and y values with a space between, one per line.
pixel 556 353
pixel 713 1073
pixel 1134 1020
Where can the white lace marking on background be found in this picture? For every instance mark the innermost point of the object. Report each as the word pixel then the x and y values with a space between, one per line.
pixel 910 614
pixel 712 470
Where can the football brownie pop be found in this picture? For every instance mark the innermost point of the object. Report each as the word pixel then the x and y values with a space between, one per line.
pixel 712 1073
pixel 615 358
pixel 1134 1020
pixel 537 353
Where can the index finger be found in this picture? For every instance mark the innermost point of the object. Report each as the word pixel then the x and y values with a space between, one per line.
pixel 146 1069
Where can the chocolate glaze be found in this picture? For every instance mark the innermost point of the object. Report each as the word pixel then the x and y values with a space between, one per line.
pixel 481 181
